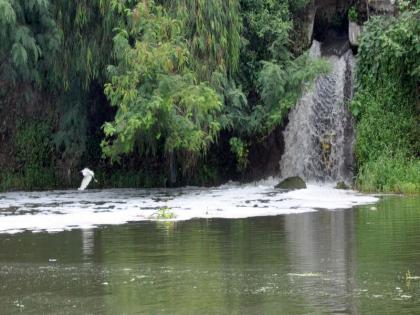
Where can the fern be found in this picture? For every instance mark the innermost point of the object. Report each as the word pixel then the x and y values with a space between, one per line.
pixel 281 86
pixel 7 14
pixel 19 55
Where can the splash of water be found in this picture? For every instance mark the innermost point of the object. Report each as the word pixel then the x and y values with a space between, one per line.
pixel 319 137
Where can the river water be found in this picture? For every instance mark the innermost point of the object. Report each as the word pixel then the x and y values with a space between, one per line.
pixel 229 250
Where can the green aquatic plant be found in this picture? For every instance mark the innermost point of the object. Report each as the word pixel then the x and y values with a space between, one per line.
pixel 409 277
pixel 164 213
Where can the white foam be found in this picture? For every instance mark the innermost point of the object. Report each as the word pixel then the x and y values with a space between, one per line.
pixel 65 210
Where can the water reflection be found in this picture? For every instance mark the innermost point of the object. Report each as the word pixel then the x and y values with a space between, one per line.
pixel 322 259
pixel 87 243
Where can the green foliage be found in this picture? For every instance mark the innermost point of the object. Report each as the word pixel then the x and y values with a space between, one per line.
pixel 406 5
pixel 183 72
pixel 162 107
pixel 239 148
pixel 352 14
pixel 120 178
pixel 272 79
pixel 34 155
pixel 86 50
pixel 388 126
pixel 30 40
pixel 296 6
pixel 267 24
pixel 33 144
pixel 281 86
pixel 207 175
pixel 213 34
pixel 87 27
pixel 63 47
pixel 390 174
pixel 389 46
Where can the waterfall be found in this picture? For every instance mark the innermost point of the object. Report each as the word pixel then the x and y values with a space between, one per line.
pixel 319 136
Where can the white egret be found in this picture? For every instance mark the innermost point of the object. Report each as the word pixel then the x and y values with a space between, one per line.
pixel 87 177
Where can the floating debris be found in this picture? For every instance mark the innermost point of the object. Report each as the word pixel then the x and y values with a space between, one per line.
pixel 408 276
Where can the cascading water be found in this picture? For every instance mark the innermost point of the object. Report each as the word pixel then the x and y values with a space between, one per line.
pixel 319 137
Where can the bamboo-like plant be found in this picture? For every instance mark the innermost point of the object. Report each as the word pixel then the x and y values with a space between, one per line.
pixel 162 107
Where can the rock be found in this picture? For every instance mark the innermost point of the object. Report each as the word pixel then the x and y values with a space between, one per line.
pixel 354 32
pixel 342 185
pixel 292 183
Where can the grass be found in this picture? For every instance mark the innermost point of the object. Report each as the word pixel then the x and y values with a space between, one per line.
pixel 387 174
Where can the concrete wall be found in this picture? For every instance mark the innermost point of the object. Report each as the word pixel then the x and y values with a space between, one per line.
pixel 330 8
pixel 383 6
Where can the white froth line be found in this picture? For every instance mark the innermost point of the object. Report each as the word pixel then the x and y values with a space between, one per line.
pixel 60 222
pixel 235 202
